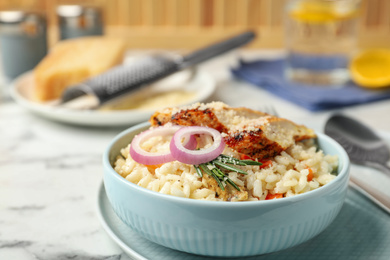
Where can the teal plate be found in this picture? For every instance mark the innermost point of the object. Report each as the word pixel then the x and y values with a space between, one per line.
pixel 360 231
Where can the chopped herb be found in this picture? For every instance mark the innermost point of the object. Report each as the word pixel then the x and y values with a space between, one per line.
pixel 215 168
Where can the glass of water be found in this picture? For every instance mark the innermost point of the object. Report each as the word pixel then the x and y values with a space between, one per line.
pixel 320 37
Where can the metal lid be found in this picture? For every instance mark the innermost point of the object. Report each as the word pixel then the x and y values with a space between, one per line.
pixel 76 10
pixel 11 16
pixel 69 10
pixel 21 22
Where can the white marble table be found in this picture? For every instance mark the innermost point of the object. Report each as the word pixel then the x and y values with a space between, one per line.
pixel 50 172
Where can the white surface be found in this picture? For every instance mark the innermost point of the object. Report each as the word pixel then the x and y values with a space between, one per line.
pixel 203 86
pixel 50 172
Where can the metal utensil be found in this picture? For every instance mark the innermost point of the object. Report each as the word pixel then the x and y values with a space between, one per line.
pixel 123 80
pixel 364 147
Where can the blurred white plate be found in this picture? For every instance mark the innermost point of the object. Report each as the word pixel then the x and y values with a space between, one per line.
pixel 201 84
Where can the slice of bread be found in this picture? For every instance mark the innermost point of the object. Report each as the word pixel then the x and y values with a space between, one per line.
pixel 73 61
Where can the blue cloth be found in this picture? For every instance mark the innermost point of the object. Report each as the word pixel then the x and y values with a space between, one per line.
pixel 269 75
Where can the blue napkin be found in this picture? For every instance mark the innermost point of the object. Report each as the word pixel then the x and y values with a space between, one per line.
pixel 270 76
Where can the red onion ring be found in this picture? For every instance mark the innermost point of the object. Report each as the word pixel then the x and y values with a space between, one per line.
pixel 195 157
pixel 141 156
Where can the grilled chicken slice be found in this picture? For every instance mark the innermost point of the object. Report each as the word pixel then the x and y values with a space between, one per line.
pixel 254 133
pixel 265 137
pixel 216 115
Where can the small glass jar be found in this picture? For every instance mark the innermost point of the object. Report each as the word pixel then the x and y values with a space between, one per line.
pixel 320 37
pixel 23 41
pixel 78 21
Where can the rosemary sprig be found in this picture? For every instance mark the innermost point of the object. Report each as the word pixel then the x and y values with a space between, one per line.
pixel 198 170
pixel 250 162
pixel 215 169
pixel 231 160
pixel 227 179
pixel 229 167
pixel 206 169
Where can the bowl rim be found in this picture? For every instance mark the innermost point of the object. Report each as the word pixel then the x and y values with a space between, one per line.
pixel 343 173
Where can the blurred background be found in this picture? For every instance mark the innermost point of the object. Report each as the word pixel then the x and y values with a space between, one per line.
pixel 193 23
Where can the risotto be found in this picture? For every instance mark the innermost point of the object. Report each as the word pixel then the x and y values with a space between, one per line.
pixel 300 168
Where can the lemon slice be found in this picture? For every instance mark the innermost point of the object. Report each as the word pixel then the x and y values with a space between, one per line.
pixel 371 68
pixel 321 12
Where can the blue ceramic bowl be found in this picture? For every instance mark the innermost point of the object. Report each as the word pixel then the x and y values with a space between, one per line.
pixel 224 229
